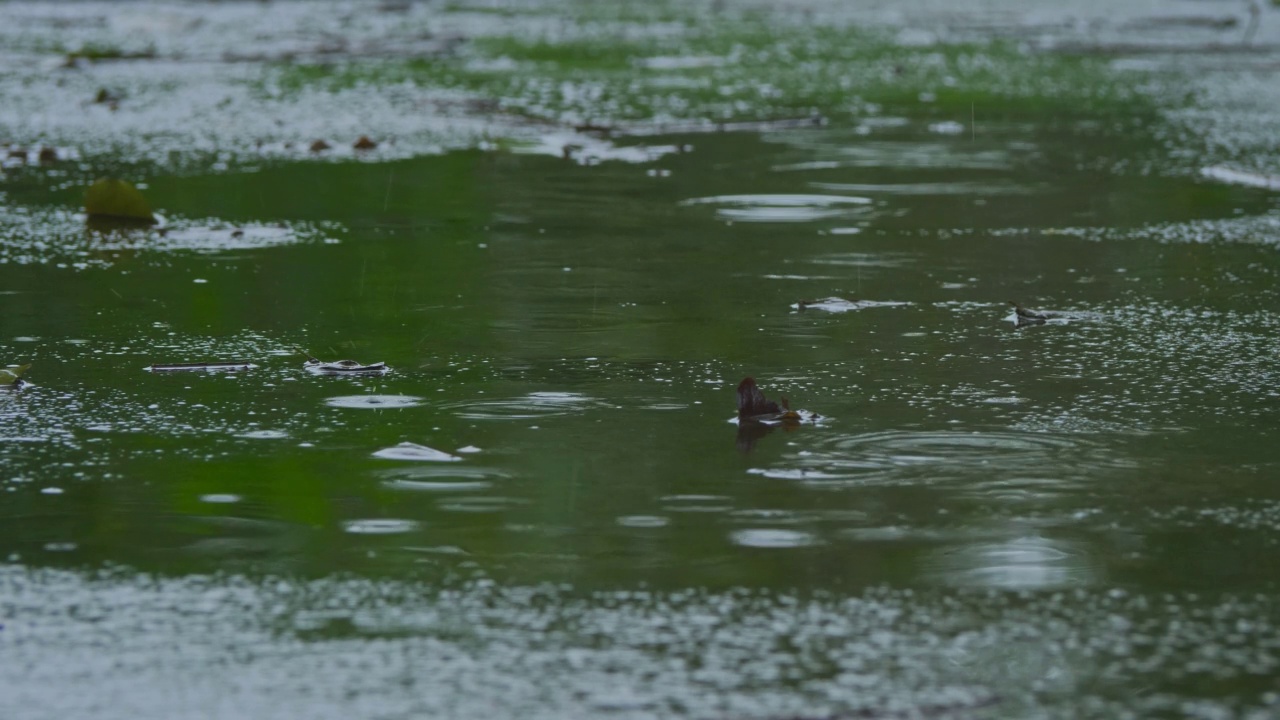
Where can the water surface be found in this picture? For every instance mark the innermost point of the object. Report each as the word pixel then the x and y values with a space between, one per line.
pixel 1072 519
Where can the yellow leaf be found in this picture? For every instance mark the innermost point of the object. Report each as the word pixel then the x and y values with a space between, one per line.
pixel 112 197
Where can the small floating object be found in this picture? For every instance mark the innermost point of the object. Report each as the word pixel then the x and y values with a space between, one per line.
pixel 343 367
pixel 11 377
pixel 231 365
pixel 319 146
pixel 364 143
pixel 116 199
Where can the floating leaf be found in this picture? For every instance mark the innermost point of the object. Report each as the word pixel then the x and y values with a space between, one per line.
pixel 319 146
pixel 115 198
pixel 364 143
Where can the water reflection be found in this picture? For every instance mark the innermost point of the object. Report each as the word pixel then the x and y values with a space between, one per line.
pixel 1026 562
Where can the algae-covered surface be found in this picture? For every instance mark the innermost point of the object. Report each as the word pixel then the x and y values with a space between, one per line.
pixel 569 230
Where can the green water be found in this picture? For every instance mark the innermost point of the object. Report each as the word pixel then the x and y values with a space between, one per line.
pixel 1074 519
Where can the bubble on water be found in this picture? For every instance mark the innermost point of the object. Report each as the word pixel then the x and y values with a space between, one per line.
pixel 414 451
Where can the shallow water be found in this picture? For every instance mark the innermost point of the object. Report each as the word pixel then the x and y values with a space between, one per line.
pixel 1073 519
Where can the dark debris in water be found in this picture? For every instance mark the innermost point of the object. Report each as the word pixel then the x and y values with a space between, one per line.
pixel 343 367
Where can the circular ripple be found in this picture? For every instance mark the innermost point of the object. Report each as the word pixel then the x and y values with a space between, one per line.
pixel 533 405
pixel 913 457
pixel 380 526
pixel 772 538
pixel 696 503
pixel 374 402
pixel 643 521
pixel 782 208
pixel 482 504
pixel 441 479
